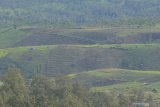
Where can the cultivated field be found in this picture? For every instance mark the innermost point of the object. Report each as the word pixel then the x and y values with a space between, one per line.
pixel 98 57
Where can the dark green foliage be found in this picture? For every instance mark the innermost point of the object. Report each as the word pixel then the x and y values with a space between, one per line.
pixel 123 101
pixel 75 13
pixel 14 92
pixel 42 91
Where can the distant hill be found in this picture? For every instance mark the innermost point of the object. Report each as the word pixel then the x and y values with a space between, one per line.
pixel 19 37
pixel 58 59
pixel 78 12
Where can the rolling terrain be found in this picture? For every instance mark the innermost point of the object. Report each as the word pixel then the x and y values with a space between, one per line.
pixel 34 36
pixel 103 58
pixel 111 47
pixel 55 59
pixel 118 79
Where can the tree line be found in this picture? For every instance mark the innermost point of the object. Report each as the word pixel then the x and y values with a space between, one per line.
pixel 43 91
pixel 79 13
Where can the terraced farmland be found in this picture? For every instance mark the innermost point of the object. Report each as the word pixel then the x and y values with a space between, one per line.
pixel 119 79
pixel 96 57
pixel 91 36
pixel 47 36
pixel 64 59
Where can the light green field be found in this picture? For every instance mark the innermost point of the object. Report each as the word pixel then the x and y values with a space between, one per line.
pixel 120 87
pixel 134 54
pixel 28 58
pixel 9 37
pixel 46 48
pixel 125 46
pixel 119 31
pixel 129 79
pixel 18 50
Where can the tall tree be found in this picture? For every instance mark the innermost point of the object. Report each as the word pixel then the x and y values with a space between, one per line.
pixel 43 92
pixel 14 91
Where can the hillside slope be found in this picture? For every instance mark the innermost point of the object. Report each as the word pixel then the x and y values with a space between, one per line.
pixel 118 79
pixel 54 60
pixel 36 36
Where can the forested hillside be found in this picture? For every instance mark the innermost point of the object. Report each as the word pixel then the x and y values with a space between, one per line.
pixel 78 12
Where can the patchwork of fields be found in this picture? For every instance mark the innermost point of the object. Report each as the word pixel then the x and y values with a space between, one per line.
pixel 118 79
pixel 111 58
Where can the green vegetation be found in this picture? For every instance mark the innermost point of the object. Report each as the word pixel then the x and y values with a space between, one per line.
pixel 1 83
pixel 41 91
pixel 27 58
pixel 121 86
pixel 9 37
pixel 35 36
pixel 79 13
pixel 36 58
pixel 119 79
pixel 93 53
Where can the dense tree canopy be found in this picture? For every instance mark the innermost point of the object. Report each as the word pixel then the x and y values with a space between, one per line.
pixel 77 12
pixel 41 91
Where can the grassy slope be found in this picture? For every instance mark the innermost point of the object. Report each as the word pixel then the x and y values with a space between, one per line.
pixel 29 61
pixel 33 58
pixel 131 78
pixel 8 37
pixel 3 52
pixel 29 58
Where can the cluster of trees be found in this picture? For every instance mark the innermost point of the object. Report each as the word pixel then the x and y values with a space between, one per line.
pixel 42 91
pixel 75 12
